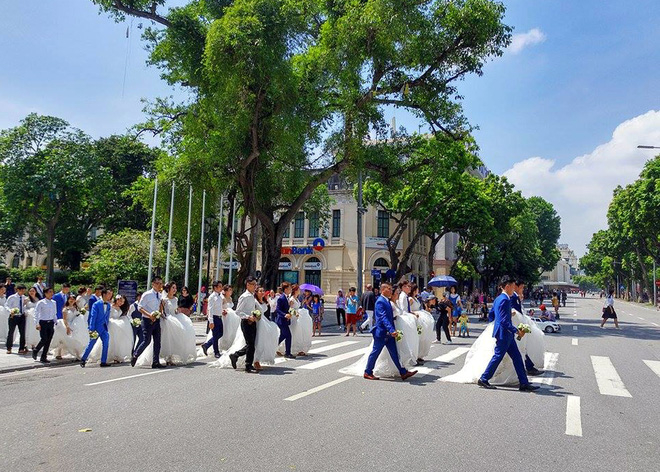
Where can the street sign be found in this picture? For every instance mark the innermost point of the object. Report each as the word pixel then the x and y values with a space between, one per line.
pixel 375 272
pixel 128 288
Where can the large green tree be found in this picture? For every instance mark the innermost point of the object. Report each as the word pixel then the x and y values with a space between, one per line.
pixel 50 178
pixel 285 91
pixel 548 223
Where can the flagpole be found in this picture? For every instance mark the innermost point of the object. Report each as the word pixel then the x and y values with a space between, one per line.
pixel 185 280
pixel 153 234
pixel 219 258
pixel 201 257
pixel 233 231
pixel 169 238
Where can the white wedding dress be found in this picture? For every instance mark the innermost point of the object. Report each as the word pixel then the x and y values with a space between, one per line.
pixel 74 343
pixel 483 349
pixel 425 324
pixel 407 348
pixel 231 323
pixel 177 338
pixel 4 323
pixel 120 348
pixel 32 337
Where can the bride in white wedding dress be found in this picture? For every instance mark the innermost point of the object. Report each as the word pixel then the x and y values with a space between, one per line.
pixel 483 349
pixel 407 347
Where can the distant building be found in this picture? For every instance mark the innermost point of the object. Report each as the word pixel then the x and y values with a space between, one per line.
pixel 561 275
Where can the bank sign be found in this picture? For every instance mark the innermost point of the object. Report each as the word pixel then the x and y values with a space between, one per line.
pixel 317 245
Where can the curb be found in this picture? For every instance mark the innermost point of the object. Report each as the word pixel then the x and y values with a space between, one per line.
pixel 38 365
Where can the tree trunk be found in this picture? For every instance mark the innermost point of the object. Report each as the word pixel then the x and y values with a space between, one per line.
pixel 50 262
pixel 645 274
pixel 270 265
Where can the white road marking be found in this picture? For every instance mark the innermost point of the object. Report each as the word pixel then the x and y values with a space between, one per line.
pixel 453 354
pixel 574 327
pixel 311 391
pixel 573 418
pixel 654 366
pixel 330 347
pixel 609 382
pixel 574 314
pixel 334 359
pixel 549 365
pixel 655 324
pixel 130 377
pixel 641 318
pixel 575 342
pixel 319 341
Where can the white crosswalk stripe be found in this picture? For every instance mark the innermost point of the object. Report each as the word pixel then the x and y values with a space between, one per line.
pixel 654 366
pixel 549 365
pixel 573 417
pixel 330 347
pixel 319 341
pixel 453 354
pixel 334 359
pixel 609 382
pixel 317 389
pixel 574 342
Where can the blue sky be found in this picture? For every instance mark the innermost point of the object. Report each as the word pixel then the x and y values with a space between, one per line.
pixel 588 68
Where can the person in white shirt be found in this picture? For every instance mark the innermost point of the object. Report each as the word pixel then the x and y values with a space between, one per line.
pixel 403 301
pixel 150 302
pixel 45 315
pixel 244 308
pixel 17 301
pixel 608 310
pixel 215 312
pixel 40 287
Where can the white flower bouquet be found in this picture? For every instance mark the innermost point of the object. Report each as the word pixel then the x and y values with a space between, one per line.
pixel 399 335
pixel 83 311
pixel 14 312
pixel 93 334
pixel 157 314
pixel 257 314
pixel 525 328
pixel 293 312
pixel 136 322
pixel 419 330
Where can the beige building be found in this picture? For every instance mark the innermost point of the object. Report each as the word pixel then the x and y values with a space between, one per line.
pixel 328 257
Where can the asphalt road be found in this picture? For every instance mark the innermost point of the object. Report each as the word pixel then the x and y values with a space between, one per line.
pixel 198 418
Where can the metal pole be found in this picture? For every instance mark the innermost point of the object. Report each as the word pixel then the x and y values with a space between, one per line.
pixel 233 231
pixel 360 254
pixel 185 279
pixel 219 258
pixel 169 238
pixel 153 234
pixel 201 257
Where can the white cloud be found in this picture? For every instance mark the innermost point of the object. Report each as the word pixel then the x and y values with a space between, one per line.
pixel 582 190
pixel 523 40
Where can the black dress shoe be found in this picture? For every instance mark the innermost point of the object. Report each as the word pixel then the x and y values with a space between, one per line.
pixel 105 364
pixel 83 363
pixel 133 361
pixel 34 354
pixel 290 356
pixel 233 358
pixel 205 350
pixel 485 384
pixel 534 371
pixel 528 388
pixel 157 366
pixel 217 356
pixel 44 361
pixel 420 361
pixel 250 370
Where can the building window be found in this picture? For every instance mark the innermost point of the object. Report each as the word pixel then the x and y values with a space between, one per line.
pixel 383 228
pixel 287 232
pixel 313 271
pixel 299 225
pixel 16 261
pixel 336 223
pixel 313 231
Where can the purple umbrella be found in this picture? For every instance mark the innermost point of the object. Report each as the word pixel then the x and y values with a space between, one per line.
pixel 311 288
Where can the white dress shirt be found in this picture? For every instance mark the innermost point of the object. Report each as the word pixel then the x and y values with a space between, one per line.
pixel 246 305
pixel 609 301
pixel 403 302
pixel 46 310
pixel 14 301
pixel 214 306
pixel 81 302
pixel 150 301
pixel 3 301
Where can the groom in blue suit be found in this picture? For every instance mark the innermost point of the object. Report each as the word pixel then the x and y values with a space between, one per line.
pixel 99 317
pixel 283 319
pixel 516 304
pixel 504 332
pixel 384 334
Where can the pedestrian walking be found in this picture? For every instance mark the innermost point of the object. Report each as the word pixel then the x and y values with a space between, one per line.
pixel 608 310
pixel 341 310
pixel 351 311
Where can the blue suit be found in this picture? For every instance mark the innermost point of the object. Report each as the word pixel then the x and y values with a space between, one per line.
pixel 99 317
pixel 60 300
pixel 281 310
pixel 504 332
pixel 90 303
pixel 516 304
pixel 382 333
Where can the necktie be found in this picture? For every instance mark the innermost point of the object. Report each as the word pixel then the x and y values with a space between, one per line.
pixel 20 305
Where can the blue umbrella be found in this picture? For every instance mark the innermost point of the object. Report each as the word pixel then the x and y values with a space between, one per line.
pixel 442 281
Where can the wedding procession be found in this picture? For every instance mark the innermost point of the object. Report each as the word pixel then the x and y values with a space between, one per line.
pixel 156 330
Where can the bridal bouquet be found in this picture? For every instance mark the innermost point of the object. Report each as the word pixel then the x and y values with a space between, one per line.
pixel 257 314
pixel 399 335
pixel 524 328
pixel 157 314
pixel 419 330
pixel 14 312
pixel 93 334
pixel 83 311
pixel 136 322
pixel 293 312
